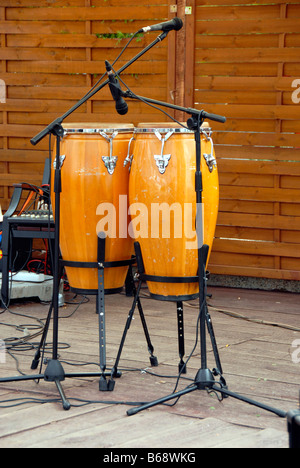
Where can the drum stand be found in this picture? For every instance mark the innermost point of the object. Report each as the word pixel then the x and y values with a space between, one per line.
pixel 180 322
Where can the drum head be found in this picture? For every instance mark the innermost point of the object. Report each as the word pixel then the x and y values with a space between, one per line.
pixel 165 127
pixel 162 127
pixel 96 127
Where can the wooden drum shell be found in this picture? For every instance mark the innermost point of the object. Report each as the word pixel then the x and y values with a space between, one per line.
pixel 162 256
pixel 86 184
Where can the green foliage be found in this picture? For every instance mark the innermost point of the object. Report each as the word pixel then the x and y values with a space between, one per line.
pixel 119 36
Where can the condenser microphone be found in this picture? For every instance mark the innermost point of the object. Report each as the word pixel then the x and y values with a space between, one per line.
pixel 115 89
pixel 175 23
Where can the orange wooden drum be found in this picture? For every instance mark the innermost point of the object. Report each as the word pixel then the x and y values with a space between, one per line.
pixel 163 204
pixel 94 177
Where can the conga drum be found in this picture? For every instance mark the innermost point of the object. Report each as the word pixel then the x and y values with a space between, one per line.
pixel 163 205
pixel 94 182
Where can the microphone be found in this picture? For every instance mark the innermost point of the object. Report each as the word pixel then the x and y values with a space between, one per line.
pixel 175 23
pixel 115 89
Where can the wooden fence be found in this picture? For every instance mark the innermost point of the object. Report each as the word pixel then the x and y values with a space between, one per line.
pixel 233 58
pixel 247 61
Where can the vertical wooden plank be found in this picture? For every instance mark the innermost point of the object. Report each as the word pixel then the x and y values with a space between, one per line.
pixel 279 102
pixel 180 60
pixel 190 23
pixel 88 51
pixel 185 57
pixel 171 84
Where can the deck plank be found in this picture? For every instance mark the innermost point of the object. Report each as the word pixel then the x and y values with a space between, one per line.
pixel 256 360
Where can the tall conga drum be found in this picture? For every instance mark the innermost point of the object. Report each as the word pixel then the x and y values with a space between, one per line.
pixel 163 205
pixel 94 199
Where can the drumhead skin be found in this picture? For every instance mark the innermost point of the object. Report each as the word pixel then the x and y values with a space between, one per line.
pixel 93 178
pixel 163 205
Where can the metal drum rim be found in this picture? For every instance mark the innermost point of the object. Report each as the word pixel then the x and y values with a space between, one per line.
pixel 162 130
pixel 91 131
pixel 168 129
pixel 97 127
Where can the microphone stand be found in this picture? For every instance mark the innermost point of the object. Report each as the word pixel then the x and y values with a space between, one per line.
pixel 54 371
pixel 51 128
pixel 204 379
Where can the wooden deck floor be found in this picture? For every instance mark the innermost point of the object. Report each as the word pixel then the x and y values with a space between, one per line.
pixel 256 359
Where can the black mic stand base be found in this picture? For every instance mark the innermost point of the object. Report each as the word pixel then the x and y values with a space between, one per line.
pixel 204 380
pixel 54 372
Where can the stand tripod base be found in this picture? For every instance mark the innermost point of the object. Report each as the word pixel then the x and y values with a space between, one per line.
pixel 204 380
pixel 55 373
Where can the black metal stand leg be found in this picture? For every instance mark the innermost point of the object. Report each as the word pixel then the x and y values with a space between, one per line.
pixel 55 373
pixel 65 402
pixel 141 271
pixel 136 302
pixel 213 341
pixel 180 323
pixel 104 385
pixel 37 356
pixel 127 326
pixel 129 283
pixel 153 359
pixel 225 392
pixel 160 401
pixel 35 361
